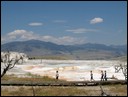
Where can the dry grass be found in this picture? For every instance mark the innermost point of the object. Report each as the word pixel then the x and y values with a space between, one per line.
pixel 119 90
pixel 41 91
pixel 29 79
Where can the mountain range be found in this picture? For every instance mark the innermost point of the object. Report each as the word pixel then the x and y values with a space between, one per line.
pixel 37 48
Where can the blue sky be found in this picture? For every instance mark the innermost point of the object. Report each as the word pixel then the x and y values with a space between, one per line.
pixel 65 22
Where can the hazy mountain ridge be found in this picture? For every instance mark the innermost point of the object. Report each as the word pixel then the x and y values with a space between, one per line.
pixel 84 51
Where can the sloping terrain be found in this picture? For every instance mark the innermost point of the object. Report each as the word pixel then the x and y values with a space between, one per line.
pixel 36 48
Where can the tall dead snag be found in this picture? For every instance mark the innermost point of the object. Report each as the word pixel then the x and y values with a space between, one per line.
pixel 8 63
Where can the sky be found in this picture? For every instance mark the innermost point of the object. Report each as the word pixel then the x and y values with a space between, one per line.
pixel 65 22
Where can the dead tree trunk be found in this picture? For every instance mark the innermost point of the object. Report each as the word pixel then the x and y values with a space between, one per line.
pixel 8 64
pixel 102 92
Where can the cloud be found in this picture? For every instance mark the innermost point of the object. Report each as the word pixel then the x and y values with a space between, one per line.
pixel 59 21
pixel 17 32
pixel 65 40
pixel 22 35
pixel 35 24
pixel 96 20
pixel 3 39
pixel 68 40
pixel 81 30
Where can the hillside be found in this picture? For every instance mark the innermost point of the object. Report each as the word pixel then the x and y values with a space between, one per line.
pixel 36 48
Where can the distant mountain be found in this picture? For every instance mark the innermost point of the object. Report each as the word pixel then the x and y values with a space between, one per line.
pixel 38 48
